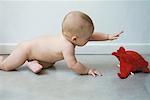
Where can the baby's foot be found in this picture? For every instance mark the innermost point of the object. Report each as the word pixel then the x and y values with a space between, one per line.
pixel 34 66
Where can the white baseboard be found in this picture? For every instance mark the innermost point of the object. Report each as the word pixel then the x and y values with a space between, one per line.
pixel 92 48
pixel 7 48
pixel 108 48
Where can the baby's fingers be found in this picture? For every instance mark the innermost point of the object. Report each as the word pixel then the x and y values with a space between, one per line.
pixel 93 74
pixel 114 38
pixel 98 73
pixel 118 34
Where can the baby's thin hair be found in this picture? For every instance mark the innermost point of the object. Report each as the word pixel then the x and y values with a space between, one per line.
pixel 83 16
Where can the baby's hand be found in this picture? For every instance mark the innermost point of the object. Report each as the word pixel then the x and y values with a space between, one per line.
pixel 114 36
pixel 94 72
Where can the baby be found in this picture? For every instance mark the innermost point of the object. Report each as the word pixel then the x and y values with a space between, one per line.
pixel 43 52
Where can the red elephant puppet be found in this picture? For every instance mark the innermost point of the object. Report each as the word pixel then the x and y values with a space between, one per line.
pixel 130 61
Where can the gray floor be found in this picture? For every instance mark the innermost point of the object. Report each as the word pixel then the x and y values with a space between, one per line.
pixel 60 83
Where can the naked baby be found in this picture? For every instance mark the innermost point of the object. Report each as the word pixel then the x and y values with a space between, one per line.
pixel 43 52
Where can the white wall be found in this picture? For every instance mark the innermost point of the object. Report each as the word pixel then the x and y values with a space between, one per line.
pixel 24 20
pixel 149 27
pixel 1 16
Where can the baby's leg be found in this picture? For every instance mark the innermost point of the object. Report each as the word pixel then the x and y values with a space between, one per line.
pixel 34 66
pixel 15 59
pixel 37 66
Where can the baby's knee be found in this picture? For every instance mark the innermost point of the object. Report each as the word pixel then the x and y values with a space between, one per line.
pixel 5 67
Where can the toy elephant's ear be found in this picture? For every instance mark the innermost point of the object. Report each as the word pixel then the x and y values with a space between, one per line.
pixel 121 50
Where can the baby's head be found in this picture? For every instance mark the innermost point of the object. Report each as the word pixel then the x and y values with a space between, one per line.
pixel 77 27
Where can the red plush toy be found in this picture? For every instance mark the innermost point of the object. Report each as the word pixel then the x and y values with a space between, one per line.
pixel 130 61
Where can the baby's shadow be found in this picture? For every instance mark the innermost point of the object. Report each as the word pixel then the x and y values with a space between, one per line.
pixel 45 70
pixel 22 68
pixel 42 72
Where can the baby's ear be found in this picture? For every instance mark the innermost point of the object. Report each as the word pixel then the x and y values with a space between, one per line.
pixel 74 38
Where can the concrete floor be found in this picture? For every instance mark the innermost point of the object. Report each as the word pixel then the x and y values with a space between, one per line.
pixel 60 83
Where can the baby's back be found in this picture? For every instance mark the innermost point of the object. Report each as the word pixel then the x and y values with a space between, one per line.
pixel 46 49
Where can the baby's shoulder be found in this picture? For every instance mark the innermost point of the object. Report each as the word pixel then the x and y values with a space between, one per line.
pixel 66 45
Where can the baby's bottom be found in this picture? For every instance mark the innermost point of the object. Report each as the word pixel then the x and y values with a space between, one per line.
pixel 36 66
pixel 18 57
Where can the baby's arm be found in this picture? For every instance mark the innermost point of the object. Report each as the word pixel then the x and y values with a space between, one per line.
pixel 98 36
pixel 69 57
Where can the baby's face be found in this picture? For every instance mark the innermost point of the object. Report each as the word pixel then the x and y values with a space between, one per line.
pixel 81 41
